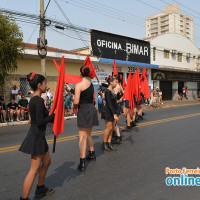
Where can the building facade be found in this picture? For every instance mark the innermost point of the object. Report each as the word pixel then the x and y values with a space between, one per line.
pixel 179 63
pixel 170 21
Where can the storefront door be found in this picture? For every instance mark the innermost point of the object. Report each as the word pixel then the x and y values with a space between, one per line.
pixel 166 88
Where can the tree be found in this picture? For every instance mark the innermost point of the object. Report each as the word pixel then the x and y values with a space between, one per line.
pixel 11 45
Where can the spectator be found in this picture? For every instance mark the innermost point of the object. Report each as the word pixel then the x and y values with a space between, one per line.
pixel 14 91
pixel 199 96
pixel 183 91
pixel 13 110
pixel 18 96
pixel 23 106
pixel 68 102
pixel 180 97
pixel 29 96
pixel 49 96
pixel 160 96
pixel 2 107
pixel 186 92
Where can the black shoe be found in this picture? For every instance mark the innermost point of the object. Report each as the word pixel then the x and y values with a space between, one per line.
pixel 143 113
pixel 24 199
pixel 133 124
pixel 91 155
pixel 105 147
pixel 111 147
pixel 140 117
pixel 127 129
pixel 42 191
pixel 81 166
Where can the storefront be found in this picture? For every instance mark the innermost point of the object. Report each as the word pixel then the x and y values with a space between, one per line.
pixel 172 83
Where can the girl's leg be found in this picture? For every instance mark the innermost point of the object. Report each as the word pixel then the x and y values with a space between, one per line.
pixel 89 139
pixel 34 169
pixel 111 131
pixel 46 161
pixel 109 128
pixel 82 141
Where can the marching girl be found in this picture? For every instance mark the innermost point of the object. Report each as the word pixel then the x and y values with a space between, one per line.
pixel 109 114
pixel 87 116
pixel 118 90
pixel 35 142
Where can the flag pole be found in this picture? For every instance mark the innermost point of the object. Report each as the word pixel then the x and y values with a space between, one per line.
pixel 54 144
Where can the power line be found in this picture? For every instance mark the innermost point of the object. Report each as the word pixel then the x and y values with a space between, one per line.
pixel 65 16
pixel 47 7
pixel 102 13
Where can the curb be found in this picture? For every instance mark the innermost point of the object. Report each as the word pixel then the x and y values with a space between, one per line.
pixel 27 122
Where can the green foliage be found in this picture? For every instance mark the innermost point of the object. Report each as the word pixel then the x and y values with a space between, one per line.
pixel 11 44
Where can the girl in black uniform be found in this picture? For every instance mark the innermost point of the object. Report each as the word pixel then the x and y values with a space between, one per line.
pixel 87 116
pixel 35 142
pixel 109 113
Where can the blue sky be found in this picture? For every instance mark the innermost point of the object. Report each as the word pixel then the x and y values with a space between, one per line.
pixel 123 17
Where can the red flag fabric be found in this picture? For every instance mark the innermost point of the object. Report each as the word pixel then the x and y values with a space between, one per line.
pixel 58 104
pixel 144 85
pixel 136 84
pixel 115 72
pixel 127 89
pixel 124 83
pixel 69 78
pixel 89 64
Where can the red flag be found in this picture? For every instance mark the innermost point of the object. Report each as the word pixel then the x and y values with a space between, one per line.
pixel 124 83
pixel 136 84
pixel 115 72
pixel 69 78
pixel 58 104
pixel 89 64
pixel 127 90
pixel 144 85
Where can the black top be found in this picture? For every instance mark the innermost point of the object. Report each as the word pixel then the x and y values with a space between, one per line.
pixel 86 96
pixel 110 99
pixel 1 98
pixel 23 103
pixel 12 106
pixel 38 112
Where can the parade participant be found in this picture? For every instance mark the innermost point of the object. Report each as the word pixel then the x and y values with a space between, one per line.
pixel 87 116
pixel 118 91
pixel 35 142
pixel 109 113
pixel 127 114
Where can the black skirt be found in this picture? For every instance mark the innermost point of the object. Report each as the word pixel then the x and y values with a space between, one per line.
pixel 107 115
pixel 35 142
pixel 87 116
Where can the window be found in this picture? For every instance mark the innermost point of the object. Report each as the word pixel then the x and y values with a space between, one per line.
pixel 179 57
pixel 154 53
pixel 24 86
pixel 166 54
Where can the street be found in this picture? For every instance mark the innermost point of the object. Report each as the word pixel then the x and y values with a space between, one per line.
pixel 165 138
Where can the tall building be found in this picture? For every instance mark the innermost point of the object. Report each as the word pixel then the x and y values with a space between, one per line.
pixel 170 21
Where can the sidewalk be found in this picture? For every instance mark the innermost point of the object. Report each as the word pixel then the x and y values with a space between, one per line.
pixel 173 103
pixel 166 104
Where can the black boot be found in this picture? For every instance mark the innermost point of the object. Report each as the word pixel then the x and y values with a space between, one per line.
pixel 105 147
pixel 127 129
pixel 24 199
pixel 91 155
pixel 119 140
pixel 42 191
pixel 111 147
pixel 140 117
pixel 81 166
pixel 133 124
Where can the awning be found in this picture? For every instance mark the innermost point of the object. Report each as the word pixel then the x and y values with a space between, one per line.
pixel 123 62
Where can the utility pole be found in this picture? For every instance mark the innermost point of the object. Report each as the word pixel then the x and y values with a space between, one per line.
pixel 42 38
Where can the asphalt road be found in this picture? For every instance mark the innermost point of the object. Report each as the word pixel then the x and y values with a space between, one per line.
pixel 165 138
